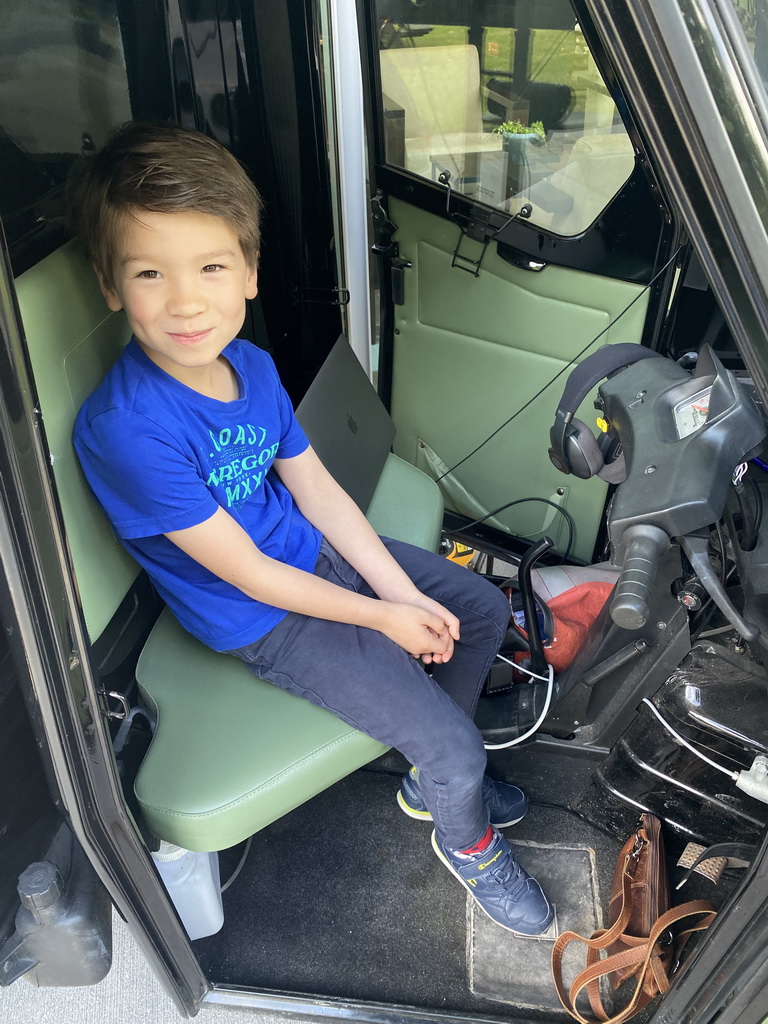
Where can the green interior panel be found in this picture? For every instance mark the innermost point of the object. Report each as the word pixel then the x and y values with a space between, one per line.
pixel 470 351
pixel 73 339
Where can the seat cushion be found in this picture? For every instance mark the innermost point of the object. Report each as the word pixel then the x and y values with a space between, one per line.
pixel 231 752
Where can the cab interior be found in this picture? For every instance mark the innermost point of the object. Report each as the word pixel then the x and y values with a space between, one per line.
pixel 333 894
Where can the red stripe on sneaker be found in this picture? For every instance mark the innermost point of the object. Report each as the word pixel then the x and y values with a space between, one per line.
pixel 481 845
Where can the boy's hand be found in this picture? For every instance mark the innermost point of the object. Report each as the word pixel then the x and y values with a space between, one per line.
pixel 450 621
pixel 422 632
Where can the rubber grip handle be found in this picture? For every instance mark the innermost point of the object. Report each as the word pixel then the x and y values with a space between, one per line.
pixel 645 545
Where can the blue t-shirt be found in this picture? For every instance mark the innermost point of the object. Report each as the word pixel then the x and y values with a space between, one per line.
pixel 160 457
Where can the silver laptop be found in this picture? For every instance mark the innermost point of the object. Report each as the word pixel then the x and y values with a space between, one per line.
pixel 347 424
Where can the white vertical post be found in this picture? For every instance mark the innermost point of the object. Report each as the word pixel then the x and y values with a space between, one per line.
pixel 352 220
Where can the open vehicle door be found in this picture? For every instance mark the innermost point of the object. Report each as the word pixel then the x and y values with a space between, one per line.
pixel 505 258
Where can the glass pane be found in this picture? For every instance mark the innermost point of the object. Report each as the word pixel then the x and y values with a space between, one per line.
pixel 753 16
pixel 513 112
pixel 63 88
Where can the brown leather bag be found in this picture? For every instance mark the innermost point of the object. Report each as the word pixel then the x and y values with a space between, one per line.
pixel 639 942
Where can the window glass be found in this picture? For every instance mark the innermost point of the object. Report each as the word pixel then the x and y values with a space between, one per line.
pixel 63 87
pixel 753 17
pixel 505 98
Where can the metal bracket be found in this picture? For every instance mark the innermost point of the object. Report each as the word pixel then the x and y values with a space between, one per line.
pixel 383 227
pixel 14 961
pixel 476 230
pixel 329 296
pixel 397 268
pixel 125 707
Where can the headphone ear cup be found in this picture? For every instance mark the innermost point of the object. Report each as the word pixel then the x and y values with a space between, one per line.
pixel 581 450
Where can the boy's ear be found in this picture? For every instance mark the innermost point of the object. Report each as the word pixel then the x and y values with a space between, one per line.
pixel 111 297
pixel 252 283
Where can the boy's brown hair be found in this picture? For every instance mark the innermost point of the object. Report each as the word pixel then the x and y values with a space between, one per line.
pixel 162 168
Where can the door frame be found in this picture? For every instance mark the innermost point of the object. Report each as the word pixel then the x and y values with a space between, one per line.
pixel 52 657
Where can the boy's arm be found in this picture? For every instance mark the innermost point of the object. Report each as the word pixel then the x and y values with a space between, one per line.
pixel 223 547
pixel 330 509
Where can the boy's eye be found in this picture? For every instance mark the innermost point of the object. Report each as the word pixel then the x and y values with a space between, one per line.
pixel 149 275
pixel 211 268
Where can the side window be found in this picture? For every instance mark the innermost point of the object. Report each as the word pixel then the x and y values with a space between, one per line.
pixel 509 104
pixel 63 88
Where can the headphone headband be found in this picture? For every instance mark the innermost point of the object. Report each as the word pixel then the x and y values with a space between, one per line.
pixel 581 380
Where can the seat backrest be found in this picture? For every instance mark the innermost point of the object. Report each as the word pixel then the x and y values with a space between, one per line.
pixel 73 339
pixel 438 87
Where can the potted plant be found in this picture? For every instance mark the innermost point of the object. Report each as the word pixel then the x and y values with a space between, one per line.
pixel 517 137
pixel 510 129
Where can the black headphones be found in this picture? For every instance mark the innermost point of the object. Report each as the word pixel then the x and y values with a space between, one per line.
pixel 575 449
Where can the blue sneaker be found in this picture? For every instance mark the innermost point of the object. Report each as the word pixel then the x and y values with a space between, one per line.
pixel 506 804
pixel 500 887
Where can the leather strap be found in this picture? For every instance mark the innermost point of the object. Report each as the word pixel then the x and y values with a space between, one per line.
pixel 644 954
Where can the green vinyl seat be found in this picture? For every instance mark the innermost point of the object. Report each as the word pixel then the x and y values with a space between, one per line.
pixel 231 753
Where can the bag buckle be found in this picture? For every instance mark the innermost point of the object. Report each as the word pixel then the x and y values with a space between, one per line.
pixel 640 842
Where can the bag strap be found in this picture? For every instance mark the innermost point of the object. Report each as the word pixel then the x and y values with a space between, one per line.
pixel 646 956
pixel 642 953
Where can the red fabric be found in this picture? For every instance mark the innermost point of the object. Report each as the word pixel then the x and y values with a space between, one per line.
pixel 574 611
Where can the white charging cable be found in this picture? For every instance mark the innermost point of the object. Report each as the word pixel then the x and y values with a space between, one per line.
pixel 549 679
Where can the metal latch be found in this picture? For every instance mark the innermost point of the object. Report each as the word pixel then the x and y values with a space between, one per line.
pixel 125 707
pixel 329 296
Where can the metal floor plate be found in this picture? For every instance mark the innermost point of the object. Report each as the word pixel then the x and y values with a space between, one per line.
pixel 516 969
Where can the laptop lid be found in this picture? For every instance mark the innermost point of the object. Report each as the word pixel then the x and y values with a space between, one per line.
pixel 347 424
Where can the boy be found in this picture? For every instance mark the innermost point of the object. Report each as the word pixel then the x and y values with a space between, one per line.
pixel 191 446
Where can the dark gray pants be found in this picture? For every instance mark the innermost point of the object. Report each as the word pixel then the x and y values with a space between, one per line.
pixel 372 684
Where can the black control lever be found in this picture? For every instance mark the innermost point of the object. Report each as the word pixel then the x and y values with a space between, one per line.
pixel 645 545
pixel 527 562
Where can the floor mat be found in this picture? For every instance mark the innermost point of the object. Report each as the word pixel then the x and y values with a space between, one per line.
pixel 516 969
pixel 344 898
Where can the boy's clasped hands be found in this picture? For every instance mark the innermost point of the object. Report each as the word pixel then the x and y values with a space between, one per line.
pixel 422 627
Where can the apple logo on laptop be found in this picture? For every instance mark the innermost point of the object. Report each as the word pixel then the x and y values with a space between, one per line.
pixel 351 423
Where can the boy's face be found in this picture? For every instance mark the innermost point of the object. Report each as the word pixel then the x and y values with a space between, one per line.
pixel 182 280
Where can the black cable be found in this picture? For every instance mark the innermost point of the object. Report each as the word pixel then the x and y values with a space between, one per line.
pixel 561 372
pixel 750 520
pixel 758 510
pixel 701 620
pixel 520 501
pixel 723 554
pixel 747 534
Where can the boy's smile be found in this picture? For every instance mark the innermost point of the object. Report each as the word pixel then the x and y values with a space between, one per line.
pixel 182 280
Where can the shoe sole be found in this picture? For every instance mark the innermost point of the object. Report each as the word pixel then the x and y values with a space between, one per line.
pixel 506 927
pixel 426 816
